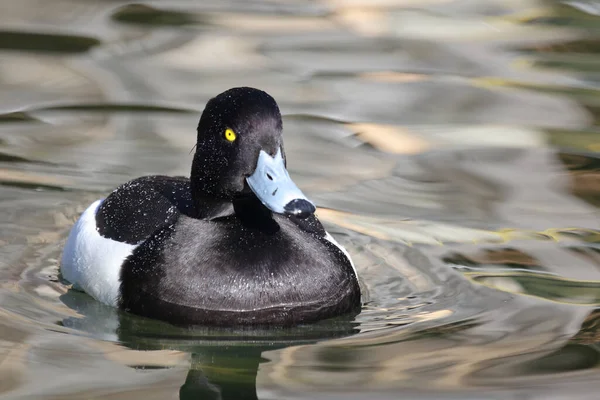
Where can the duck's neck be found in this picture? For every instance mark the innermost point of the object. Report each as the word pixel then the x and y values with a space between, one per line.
pixel 209 202
pixel 248 209
pixel 254 215
pixel 211 208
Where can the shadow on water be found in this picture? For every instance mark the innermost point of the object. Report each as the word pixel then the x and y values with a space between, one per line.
pixel 223 362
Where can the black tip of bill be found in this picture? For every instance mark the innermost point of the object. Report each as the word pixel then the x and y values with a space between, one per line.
pixel 300 208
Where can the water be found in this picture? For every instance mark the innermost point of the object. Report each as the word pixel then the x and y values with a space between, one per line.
pixel 451 146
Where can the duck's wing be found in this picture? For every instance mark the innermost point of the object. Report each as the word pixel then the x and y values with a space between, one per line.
pixel 135 210
pixel 108 232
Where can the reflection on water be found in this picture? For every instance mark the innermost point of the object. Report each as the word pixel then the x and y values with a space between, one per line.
pixel 451 146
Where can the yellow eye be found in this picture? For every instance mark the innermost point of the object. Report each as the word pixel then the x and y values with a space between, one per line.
pixel 230 135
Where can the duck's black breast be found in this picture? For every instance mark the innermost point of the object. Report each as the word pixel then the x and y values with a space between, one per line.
pixel 233 270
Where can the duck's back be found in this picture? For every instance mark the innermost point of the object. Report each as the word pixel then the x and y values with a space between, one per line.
pixel 110 230
pixel 135 210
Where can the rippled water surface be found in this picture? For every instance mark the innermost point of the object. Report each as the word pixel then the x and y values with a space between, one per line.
pixel 451 146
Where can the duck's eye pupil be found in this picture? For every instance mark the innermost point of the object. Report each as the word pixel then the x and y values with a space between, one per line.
pixel 230 135
pixel 270 177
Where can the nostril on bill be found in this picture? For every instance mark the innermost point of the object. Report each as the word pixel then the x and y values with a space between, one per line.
pixel 269 176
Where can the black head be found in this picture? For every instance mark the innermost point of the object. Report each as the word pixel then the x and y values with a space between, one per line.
pixel 239 152
pixel 221 164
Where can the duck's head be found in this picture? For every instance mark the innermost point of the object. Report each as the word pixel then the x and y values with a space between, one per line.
pixel 239 152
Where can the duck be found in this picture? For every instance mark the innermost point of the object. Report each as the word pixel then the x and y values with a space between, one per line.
pixel 236 243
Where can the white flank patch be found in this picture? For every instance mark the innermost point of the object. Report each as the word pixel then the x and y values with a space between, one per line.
pixel 339 246
pixel 91 262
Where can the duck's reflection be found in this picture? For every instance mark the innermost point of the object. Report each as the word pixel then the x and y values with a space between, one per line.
pixel 197 386
pixel 224 362
pixel 227 373
pixel 524 340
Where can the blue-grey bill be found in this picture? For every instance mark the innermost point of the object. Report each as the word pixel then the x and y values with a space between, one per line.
pixel 273 186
